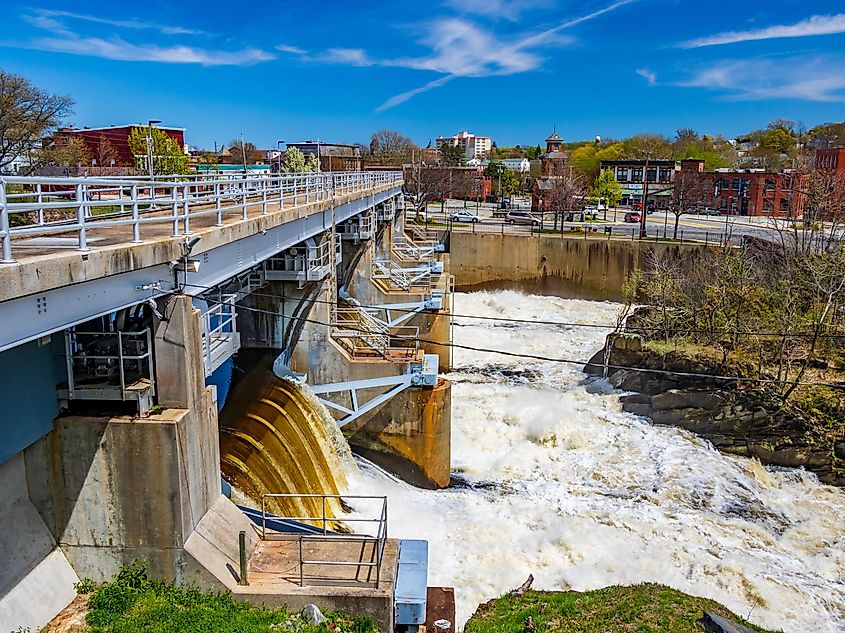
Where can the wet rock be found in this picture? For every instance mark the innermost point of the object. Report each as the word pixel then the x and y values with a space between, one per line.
pixel 685 399
pixel 713 623
pixel 312 614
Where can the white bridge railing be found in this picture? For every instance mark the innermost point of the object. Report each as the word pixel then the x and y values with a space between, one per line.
pixel 42 206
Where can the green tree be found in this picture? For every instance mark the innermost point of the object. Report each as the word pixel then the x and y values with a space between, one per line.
pixel 72 154
pixel 452 155
pixel 295 162
pixel 26 114
pixel 607 188
pixel 168 157
pixel 779 140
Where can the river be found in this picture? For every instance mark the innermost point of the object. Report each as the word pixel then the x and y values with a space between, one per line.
pixel 555 480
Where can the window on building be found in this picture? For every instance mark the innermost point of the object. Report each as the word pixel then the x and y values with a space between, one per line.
pixel 637 174
pixel 622 174
pixel 768 206
pixel 733 204
pixel 769 186
pixel 652 174
pixel 665 174
pixel 784 205
pixel 735 184
pixel 723 203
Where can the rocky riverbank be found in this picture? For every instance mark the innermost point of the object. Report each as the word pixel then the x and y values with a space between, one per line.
pixel 751 422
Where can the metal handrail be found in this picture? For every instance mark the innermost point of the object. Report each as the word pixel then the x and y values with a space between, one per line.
pixel 120 358
pixel 50 205
pixel 379 540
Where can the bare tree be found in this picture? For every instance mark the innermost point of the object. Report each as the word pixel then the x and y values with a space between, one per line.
pixel 388 147
pixel 105 154
pixel 26 114
pixel 689 193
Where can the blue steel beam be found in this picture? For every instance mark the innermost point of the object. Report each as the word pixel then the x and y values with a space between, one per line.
pixel 29 318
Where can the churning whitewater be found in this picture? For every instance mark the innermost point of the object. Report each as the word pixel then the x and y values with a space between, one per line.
pixel 554 479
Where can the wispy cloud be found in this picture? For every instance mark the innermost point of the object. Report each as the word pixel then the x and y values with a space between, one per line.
pixel 404 96
pixel 817 79
pixel 292 50
pixel 507 9
pixel 461 47
pixel 63 39
pixel 812 26
pixel 134 24
pixel 649 75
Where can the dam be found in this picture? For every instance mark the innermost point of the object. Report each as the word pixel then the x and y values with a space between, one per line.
pixel 276 377
pixel 131 308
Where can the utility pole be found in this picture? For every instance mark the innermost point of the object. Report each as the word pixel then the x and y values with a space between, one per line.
pixel 644 212
pixel 243 150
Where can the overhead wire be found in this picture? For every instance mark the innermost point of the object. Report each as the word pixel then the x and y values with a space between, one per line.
pixel 568 361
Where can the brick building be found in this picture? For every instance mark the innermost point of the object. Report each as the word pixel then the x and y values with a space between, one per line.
pixel 633 174
pixel 744 193
pixel 831 159
pixel 116 135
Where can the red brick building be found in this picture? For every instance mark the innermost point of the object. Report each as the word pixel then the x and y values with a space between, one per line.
pixel 117 136
pixel 831 159
pixel 744 193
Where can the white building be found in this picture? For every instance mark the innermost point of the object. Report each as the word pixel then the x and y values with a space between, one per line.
pixel 519 165
pixel 473 146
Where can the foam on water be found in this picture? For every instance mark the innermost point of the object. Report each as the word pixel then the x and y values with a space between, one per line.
pixel 556 480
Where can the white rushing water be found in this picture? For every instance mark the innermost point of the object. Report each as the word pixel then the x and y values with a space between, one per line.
pixel 561 483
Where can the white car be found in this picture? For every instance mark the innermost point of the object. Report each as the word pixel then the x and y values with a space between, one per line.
pixel 463 216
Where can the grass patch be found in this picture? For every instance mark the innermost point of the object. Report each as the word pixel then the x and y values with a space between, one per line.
pixel 646 608
pixel 133 602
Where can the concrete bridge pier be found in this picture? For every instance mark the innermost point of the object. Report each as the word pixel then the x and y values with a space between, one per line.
pixel 116 489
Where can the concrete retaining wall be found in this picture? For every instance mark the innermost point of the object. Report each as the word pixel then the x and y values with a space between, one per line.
pixel 594 268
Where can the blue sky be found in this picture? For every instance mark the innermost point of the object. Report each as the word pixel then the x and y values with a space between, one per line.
pixel 509 69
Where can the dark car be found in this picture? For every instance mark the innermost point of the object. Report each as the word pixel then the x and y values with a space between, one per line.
pixel 632 217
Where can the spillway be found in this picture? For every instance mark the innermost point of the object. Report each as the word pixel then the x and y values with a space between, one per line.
pixel 275 437
pixel 553 478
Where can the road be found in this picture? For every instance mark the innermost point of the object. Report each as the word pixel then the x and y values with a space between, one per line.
pixel 702 228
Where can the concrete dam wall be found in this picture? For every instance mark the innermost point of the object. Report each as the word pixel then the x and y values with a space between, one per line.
pixel 592 268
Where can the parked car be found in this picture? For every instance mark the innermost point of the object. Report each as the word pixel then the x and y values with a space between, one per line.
pixel 521 217
pixel 463 216
pixel 633 217
pixel 709 211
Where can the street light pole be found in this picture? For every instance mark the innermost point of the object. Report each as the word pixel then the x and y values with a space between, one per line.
pixel 150 125
pixel 279 150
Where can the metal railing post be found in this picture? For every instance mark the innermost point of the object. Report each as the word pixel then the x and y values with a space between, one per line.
pixel 218 204
pixel 5 228
pixel 40 199
pixel 264 196
pixel 244 213
pixel 243 580
pixel 186 211
pixel 136 219
pixel 324 514
pixel 301 565
pixel 80 217
pixel 174 198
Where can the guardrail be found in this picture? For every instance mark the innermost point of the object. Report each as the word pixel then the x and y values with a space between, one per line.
pixel 377 543
pixel 47 206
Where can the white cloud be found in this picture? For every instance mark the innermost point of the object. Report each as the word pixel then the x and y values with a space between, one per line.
pixel 815 25
pixel 802 79
pixel 649 75
pixel 460 47
pixel 293 50
pixel 508 9
pixel 404 96
pixel 65 40
pixel 121 24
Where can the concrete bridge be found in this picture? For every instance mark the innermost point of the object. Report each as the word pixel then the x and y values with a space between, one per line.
pixel 122 304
